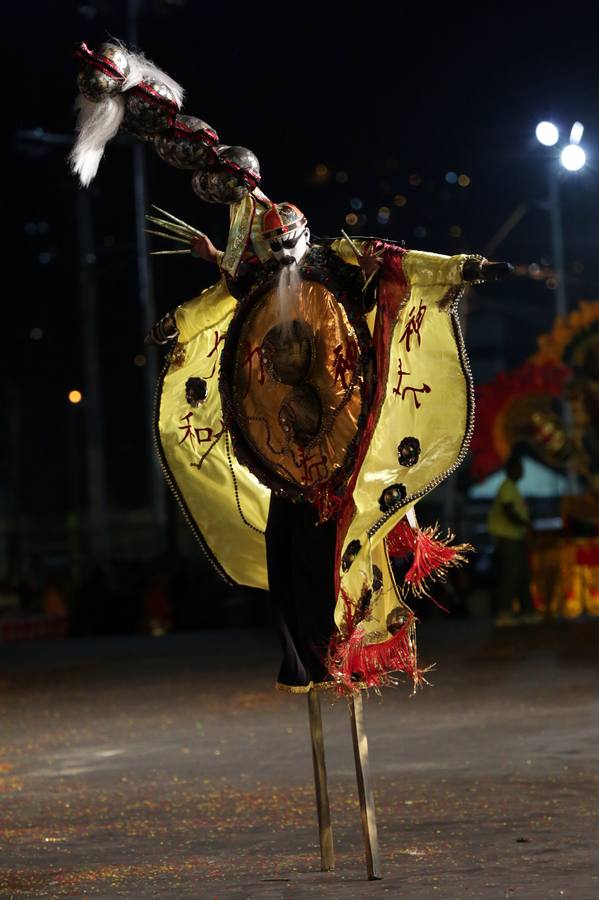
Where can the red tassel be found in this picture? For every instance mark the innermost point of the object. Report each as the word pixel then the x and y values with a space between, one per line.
pixel 353 663
pixel 432 554
pixel 402 539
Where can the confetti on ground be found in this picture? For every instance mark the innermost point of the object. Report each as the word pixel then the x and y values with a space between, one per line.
pixel 159 771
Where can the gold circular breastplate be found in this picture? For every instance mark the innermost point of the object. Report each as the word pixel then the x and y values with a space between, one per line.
pixel 295 388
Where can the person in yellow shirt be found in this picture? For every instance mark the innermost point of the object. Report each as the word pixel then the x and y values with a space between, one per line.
pixel 509 523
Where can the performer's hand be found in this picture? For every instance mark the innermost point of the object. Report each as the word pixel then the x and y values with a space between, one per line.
pixel 369 263
pixel 203 248
pixel 482 270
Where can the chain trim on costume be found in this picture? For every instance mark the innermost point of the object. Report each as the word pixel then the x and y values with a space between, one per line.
pixel 236 488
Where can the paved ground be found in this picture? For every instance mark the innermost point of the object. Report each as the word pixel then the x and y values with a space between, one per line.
pixel 169 768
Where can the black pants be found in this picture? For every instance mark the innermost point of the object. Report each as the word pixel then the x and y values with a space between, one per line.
pixel 300 555
pixel 513 575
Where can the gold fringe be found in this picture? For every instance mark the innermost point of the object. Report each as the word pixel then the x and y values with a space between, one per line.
pixel 294 688
pixel 316 686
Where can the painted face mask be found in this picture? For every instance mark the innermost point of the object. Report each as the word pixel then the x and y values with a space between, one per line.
pixel 284 228
pixel 292 247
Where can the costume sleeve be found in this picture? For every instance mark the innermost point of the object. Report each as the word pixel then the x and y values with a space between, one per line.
pixel 434 269
pixel 415 436
pixel 223 502
pixel 345 251
pixel 204 311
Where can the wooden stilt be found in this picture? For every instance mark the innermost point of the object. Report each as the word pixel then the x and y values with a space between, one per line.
pixel 325 830
pixel 360 741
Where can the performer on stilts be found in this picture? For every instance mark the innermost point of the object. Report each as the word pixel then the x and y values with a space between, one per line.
pixel 309 398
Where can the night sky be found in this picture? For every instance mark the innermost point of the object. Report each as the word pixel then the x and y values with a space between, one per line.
pixel 385 99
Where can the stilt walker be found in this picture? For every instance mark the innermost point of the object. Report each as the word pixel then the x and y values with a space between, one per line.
pixel 309 399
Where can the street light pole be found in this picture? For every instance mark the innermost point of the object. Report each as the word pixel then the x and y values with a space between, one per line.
pixel 155 478
pixel 557 240
pixel 572 158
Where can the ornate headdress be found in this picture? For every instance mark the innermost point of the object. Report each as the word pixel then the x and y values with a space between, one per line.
pixel 280 219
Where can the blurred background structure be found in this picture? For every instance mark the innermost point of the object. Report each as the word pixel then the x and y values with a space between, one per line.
pixel 469 133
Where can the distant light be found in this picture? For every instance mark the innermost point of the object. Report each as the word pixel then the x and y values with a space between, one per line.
pixel 534 270
pixel 420 231
pixel 455 231
pixel 356 203
pixel 451 177
pixel 551 283
pixel 44 258
pixel 342 177
pixel 415 180
pixel 576 133
pixel 463 181
pixel 36 334
pixel 321 173
pixel 75 397
pixel 139 360
pixel 362 219
pixel 383 215
pixel 547 134
pixel 351 219
pixel 573 157
pixel 400 200
pixel 42 227
pixel 30 228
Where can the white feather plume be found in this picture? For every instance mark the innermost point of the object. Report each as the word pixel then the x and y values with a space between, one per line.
pixel 143 69
pixel 98 123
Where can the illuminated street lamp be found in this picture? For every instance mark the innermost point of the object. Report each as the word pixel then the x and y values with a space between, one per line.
pixel 572 158
pixel 547 134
